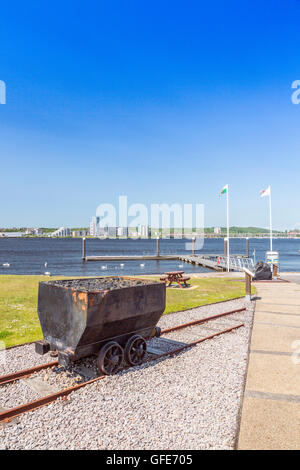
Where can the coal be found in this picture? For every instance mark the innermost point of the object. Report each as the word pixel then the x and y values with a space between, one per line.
pixel 262 272
pixel 98 284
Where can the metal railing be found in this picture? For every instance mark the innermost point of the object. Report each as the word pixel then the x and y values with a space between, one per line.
pixel 236 263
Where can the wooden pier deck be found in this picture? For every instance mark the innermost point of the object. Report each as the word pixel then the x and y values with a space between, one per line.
pixel 204 260
pixel 208 261
pixel 131 258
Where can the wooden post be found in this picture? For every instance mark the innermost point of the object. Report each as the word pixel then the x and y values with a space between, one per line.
pixel 248 286
pixel 157 247
pixel 83 249
pixel 247 247
pixel 193 246
pixel 275 270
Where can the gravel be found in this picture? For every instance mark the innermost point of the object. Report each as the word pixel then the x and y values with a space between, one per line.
pixel 190 401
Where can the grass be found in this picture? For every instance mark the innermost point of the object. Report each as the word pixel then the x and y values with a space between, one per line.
pixel 19 321
pixel 207 291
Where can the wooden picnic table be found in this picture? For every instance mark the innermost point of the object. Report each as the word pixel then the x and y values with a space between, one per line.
pixel 175 276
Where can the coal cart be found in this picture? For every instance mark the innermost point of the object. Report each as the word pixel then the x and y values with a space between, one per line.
pixel 108 316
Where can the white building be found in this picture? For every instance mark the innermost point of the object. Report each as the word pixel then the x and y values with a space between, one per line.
pixel 61 232
pixel 217 230
pixel 33 231
pixel 122 231
pixel 80 233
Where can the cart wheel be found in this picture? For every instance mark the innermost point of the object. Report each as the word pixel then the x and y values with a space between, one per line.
pixel 110 358
pixel 135 350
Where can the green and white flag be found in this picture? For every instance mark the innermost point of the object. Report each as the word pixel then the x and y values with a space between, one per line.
pixel 224 190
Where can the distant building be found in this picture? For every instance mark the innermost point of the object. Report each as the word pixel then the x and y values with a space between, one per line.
pixel 143 231
pixel 93 226
pixel 122 231
pixel 33 231
pixel 96 230
pixel 110 232
pixel 217 230
pixel 80 233
pixel 61 232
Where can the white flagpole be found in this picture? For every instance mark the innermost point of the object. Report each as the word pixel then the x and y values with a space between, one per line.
pixel 227 199
pixel 270 204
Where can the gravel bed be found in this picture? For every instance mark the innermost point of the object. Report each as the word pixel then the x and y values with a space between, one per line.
pixel 15 394
pixel 190 401
pixel 22 357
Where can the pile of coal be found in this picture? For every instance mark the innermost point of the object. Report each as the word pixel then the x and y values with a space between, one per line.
pixel 262 272
pixel 98 284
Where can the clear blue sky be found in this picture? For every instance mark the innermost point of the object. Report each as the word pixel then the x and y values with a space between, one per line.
pixel 165 101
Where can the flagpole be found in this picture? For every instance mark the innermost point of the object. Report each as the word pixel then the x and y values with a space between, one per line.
pixel 270 204
pixel 227 200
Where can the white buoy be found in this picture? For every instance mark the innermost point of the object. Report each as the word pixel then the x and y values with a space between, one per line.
pixel 47 273
pixel 103 267
pixel 122 265
pixel 7 265
pixel 142 265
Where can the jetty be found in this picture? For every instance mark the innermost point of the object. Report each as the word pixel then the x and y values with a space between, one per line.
pixel 131 258
pixel 215 261
pixel 237 262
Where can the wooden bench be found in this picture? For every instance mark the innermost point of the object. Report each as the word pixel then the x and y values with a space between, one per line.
pixel 184 279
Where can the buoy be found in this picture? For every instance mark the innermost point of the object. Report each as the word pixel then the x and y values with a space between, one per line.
pixel 122 265
pixel 7 265
pixel 142 265
pixel 103 267
pixel 47 273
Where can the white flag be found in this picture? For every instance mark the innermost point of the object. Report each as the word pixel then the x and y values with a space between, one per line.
pixel 265 192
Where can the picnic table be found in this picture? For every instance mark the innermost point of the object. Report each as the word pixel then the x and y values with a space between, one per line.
pixel 175 276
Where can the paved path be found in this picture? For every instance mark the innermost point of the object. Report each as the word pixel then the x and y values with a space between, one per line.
pixel 271 407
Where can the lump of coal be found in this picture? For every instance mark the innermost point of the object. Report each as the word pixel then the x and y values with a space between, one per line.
pixel 98 284
pixel 262 272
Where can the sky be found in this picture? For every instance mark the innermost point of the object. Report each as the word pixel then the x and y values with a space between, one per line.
pixel 162 101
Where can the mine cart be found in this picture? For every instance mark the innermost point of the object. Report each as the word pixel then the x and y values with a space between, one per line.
pixel 108 316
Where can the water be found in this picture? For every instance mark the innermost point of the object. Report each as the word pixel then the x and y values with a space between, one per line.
pixel 63 256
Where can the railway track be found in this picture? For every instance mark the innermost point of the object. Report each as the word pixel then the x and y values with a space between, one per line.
pixel 7 415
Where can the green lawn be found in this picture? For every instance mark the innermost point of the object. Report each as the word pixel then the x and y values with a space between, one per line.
pixel 18 303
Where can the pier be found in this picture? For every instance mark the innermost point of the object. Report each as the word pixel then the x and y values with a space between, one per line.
pixel 219 262
pixel 216 261
pixel 131 258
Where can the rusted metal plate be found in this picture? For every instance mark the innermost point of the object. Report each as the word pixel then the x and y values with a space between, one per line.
pixel 162 345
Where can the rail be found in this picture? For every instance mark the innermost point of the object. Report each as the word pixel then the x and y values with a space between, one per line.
pixel 236 263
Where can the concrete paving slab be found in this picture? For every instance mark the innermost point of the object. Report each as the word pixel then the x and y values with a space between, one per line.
pixel 269 425
pixel 39 386
pixel 281 308
pixel 278 318
pixel 273 374
pixel 272 338
pixel 271 406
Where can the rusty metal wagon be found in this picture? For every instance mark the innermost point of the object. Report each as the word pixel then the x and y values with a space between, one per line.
pixel 108 316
